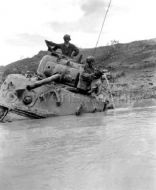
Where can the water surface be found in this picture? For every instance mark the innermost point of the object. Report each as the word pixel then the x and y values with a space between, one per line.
pixel 102 151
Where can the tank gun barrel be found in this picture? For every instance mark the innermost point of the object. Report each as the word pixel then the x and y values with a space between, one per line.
pixel 43 82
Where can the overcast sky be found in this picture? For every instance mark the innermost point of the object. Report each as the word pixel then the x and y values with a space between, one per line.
pixel 26 23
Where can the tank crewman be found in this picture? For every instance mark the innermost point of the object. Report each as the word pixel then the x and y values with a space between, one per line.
pixel 86 75
pixel 67 48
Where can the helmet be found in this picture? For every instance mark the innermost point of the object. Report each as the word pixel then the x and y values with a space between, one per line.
pixel 66 37
pixel 90 59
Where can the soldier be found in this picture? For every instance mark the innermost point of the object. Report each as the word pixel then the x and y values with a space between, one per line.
pixel 86 75
pixel 67 48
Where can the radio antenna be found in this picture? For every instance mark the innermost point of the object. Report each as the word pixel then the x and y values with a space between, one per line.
pixel 104 19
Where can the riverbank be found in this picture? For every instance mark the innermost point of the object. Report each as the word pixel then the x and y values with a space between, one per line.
pixel 136 88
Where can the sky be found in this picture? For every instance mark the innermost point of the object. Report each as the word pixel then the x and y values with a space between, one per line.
pixel 25 24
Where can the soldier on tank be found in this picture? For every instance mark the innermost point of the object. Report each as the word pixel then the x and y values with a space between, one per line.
pixel 67 48
pixel 87 75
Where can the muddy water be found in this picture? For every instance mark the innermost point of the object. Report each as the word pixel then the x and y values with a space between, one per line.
pixel 111 151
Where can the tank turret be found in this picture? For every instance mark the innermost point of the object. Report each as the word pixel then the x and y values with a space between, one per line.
pixel 68 69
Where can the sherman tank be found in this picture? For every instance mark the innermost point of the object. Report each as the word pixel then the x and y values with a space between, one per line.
pixel 52 92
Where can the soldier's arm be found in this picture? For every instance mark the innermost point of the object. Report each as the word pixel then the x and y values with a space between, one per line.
pixel 87 76
pixel 55 45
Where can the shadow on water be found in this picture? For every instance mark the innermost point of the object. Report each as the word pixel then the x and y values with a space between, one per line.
pixel 115 150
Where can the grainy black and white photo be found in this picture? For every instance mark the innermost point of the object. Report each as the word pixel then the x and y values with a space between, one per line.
pixel 77 95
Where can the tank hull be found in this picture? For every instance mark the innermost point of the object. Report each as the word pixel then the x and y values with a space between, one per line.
pixel 49 100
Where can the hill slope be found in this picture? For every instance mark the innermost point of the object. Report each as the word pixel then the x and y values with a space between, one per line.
pixel 133 67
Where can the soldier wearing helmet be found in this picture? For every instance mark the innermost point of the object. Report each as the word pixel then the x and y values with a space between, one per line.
pixel 86 75
pixel 67 48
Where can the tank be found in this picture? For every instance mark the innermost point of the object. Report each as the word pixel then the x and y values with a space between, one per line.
pixel 52 93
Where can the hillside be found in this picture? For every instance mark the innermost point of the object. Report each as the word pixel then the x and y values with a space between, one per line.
pixel 133 67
